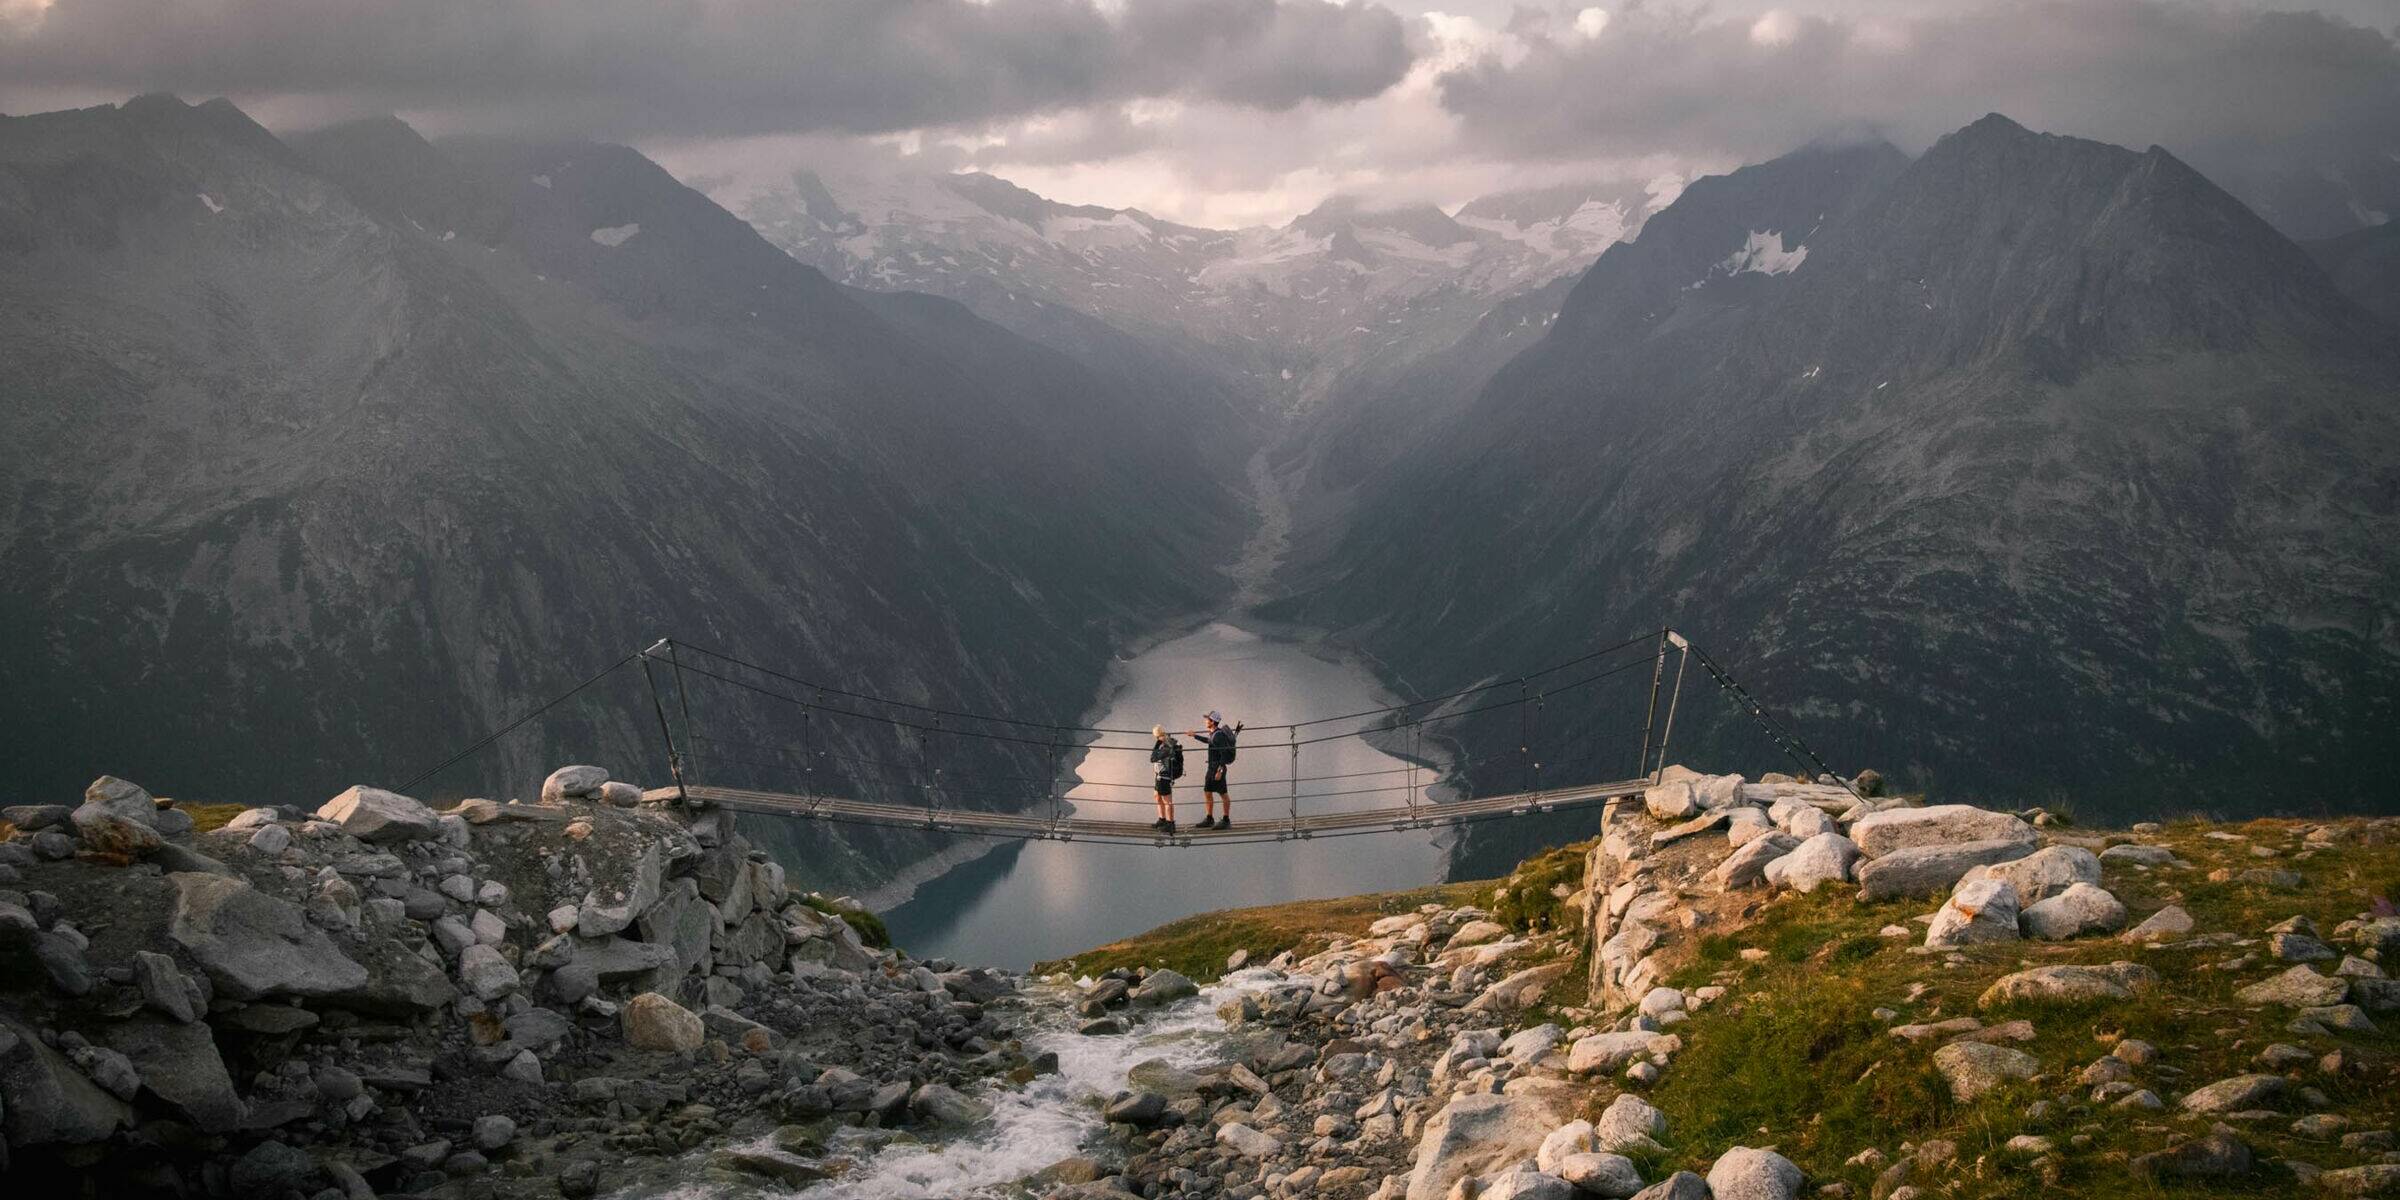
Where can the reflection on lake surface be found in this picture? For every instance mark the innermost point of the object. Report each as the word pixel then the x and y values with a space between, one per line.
pixel 1038 900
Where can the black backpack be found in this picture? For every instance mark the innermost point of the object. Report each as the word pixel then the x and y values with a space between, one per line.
pixel 1230 734
pixel 1174 760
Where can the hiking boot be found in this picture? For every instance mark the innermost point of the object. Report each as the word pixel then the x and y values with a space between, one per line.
pixel 1162 824
pixel 1225 822
pixel 1170 827
pixel 1208 823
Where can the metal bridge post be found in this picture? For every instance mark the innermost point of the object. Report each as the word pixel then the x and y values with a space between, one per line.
pixel 1658 669
pixel 658 704
pixel 1416 746
pixel 1673 698
pixel 1291 735
pixel 683 701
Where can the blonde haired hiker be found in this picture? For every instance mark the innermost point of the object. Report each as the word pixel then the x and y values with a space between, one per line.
pixel 1166 766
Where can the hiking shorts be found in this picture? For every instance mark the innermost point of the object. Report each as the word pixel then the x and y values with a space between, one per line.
pixel 1215 781
pixel 1166 786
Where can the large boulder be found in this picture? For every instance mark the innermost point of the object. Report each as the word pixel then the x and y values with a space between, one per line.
pixel 117 819
pixel 1629 1123
pixel 2237 1094
pixel 2300 987
pixel 2069 984
pixel 372 814
pixel 2042 874
pixel 1742 1173
pixel 1748 865
pixel 45 1100
pixel 1931 870
pixel 613 904
pixel 181 1069
pixel 1894 829
pixel 482 971
pixel 1975 1068
pixel 2079 909
pixel 578 782
pixel 1822 859
pixel 252 944
pixel 653 1022
pixel 124 799
pixel 1978 912
pixel 1477 1135
pixel 1609 1051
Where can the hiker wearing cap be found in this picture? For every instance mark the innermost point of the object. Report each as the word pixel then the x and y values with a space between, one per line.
pixel 1166 766
pixel 1219 739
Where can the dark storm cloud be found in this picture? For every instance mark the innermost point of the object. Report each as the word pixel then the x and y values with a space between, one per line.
pixel 718 66
pixel 2192 77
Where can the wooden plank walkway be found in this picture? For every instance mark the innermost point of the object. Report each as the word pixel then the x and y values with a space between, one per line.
pixel 1278 827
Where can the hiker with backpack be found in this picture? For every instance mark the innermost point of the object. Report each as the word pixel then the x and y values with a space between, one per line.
pixel 1219 739
pixel 1166 766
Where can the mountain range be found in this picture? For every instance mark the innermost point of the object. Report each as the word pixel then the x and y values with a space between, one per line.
pixel 2030 467
pixel 324 456
pixel 2023 467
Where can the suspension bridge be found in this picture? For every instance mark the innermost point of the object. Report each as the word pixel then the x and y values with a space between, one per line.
pixel 1462 759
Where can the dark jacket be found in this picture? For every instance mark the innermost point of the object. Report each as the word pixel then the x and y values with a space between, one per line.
pixel 1163 754
pixel 1220 744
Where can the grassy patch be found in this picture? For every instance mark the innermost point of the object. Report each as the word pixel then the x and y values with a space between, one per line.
pixel 1198 945
pixel 206 817
pixel 1533 897
pixel 869 926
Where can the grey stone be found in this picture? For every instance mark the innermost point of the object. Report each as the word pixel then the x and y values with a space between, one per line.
pixel 493 1132
pixel 45 1100
pixel 1973 1069
pixel 1629 1122
pixel 1979 912
pixel 1601 1174
pixel 578 782
pixel 1882 833
pixel 1682 1185
pixel 1742 1173
pixel 2299 987
pixel 944 1105
pixel 179 1066
pixel 1931 870
pixel 1514 1185
pixel 163 987
pixel 2141 856
pixel 1748 865
pixel 2235 1094
pixel 1822 859
pixel 276 1169
pixel 1476 1135
pixel 372 814
pixel 2069 984
pixel 2164 925
pixel 2042 874
pixel 485 973
pixel 271 840
pixel 2078 910
pixel 252 944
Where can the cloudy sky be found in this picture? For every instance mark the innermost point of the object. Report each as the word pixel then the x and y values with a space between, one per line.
pixel 1224 112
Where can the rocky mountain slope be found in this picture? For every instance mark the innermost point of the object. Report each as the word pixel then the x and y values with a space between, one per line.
pixel 373 443
pixel 2038 463
pixel 2365 264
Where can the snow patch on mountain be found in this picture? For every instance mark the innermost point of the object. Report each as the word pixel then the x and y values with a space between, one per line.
pixel 1765 254
pixel 616 235
pixel 210 201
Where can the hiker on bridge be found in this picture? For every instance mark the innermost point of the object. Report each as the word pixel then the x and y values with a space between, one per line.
pixel 1220 743
pixel 1166 766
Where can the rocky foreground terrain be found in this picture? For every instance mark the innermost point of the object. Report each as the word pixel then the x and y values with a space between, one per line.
pixel 501 999
pixel 1800 991
pixel 1745 990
